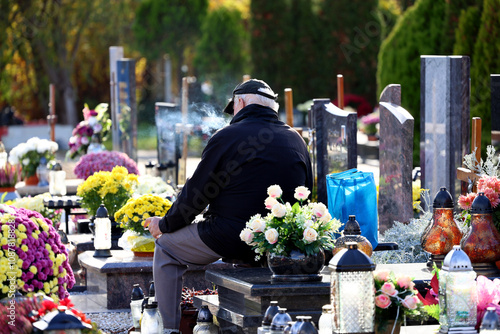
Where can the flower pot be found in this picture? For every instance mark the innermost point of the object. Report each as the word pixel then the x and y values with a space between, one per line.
pixel 11 193
pixel 388 327
pixel 297 267
pixel 31 180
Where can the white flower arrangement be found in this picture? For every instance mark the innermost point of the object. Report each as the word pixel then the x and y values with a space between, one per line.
pixel 30 153
pixel 154 185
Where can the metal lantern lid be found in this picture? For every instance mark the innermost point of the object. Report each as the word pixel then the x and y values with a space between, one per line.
pixel 352 226
pixel 150 164
pixel 60 319
pixel 57 167
pixel 280 320
pixel 270 313
pixel 457 260
pixel 351 259
pixel 490 319
pixel 152 289
pixel 443 200
pixel 481 204
pixel 204 315
pixel 137 293
pixel 101 212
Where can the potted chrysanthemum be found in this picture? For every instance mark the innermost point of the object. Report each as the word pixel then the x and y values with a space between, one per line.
pixel 29 155
pixel 131 217
pixel 292 236
pixel 103 161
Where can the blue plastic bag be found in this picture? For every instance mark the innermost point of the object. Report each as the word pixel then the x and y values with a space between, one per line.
pixel 354 192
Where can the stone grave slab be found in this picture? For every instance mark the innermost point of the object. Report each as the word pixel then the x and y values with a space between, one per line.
pixel 396 160
pixel 127 109
pixel 444 120
pixel 336 141
pixel 495 107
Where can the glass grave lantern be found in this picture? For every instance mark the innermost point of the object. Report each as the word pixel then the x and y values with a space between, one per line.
pixel 61 321
pixel 102 235
pixel 482 242
pixel 457 294
pixel 57 180
pixel 443 232
pixel 352 233
pixel 352 289
pixel 43 173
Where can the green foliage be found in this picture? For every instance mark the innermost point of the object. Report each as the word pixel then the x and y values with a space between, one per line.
pixel 221 55
pixel 466 32
pixel 420 31
pixel 484 62
pixel 432 310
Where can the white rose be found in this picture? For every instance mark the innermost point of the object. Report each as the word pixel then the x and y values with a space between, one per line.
pixel 26 161
pixel 270 202
pixel 301 193
pixel 326 218
pixel 257 225
pixel 274 191
pixel 319 210
pixel 246 235
pixel 272 236
pixel 278 210
pixel 310 235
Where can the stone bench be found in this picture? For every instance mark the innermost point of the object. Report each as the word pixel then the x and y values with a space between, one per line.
pixel 110 280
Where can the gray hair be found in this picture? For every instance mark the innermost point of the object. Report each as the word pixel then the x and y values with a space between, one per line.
pixel 259 99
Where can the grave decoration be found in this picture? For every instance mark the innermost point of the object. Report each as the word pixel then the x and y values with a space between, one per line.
pixel 103 161
pixel 300 232
pixel 395 298
pixel 95 126
pixel 113 189
pixel 368 124
pixel 28 155
pixel 35 203
pixel 8 177
pixel 32 257
pixel 131 217
pixel 154 185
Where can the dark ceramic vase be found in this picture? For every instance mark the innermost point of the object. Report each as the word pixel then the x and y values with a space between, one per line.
pixel 297 267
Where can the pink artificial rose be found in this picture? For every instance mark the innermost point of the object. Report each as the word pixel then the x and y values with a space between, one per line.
pixel 301 193
pixel 257 225
pixel 405 282
pixel 382 301
pixel 270 202
pixel 389 289
pixel 279 210
pixel 246 235
pixel 410 302
pixel 319 210
pixel 381 275
pixel 271 236
pixel 274 191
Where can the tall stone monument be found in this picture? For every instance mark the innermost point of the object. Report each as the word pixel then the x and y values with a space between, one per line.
pixel 444 120
pixel 126 111
pixel 396 160
pixel 495 107
pixel 336 142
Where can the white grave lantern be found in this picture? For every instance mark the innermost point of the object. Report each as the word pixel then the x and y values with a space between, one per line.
pixel 457 293
pixel 57 180
pixel 352 291
pixel 102 235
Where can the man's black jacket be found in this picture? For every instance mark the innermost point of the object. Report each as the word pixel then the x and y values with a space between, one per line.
pixel 237 166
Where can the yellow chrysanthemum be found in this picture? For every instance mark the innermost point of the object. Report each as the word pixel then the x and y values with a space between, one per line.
pixel 33 269
pixel 24 248
pixel 21 227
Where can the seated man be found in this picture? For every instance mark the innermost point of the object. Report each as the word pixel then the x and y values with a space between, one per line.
pixel 256 150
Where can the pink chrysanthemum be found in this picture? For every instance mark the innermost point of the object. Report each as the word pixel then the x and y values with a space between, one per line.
pixel 103 161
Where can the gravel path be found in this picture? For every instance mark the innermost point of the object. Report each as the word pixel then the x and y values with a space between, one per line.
pixel 112 322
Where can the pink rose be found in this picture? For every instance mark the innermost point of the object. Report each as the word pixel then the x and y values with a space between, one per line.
pixel 382 301
pixel 319 210
pixel 389 289
pixel 274 191
pixel 410 302
pixel 270 202
pixel 271 236
pixel 405 282
pixel 246 235
pixel 301 193
pixel 381 275
pixel 257 225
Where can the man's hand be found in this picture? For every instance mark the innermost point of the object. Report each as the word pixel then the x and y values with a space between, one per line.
pixel 152 224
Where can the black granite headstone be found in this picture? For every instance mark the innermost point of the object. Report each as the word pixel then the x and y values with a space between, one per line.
pixel 336 142
pixel 495 102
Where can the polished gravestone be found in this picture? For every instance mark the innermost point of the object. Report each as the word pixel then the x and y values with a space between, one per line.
pixel 245 294
pixel 495 107
pixel 110 279
pixel 335 141
pixel 444 120
pixel 395 202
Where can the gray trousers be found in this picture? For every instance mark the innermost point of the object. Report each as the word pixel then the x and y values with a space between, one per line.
pixel 173 253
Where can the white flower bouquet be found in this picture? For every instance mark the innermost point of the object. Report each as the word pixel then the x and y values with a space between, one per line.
pixel 305 227
pixel 29 154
